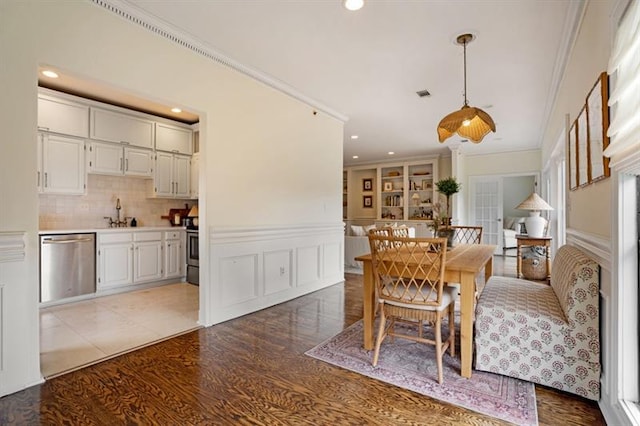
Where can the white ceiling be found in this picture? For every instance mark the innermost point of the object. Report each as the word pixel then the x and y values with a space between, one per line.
pixel 368 65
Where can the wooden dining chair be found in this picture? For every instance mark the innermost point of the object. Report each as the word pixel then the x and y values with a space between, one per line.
pixel 467 234
pixel 409 280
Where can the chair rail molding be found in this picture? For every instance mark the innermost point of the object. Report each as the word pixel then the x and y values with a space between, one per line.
pixel 12 247
pixel 597 247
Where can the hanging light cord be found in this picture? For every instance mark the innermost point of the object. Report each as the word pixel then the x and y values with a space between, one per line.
pixel 464 47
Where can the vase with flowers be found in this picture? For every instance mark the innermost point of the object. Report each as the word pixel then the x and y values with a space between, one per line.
pixel 442 220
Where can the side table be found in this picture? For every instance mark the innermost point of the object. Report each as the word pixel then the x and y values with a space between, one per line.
pixel 527 241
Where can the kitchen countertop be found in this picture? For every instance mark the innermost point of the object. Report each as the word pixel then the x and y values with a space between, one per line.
pixel 110 230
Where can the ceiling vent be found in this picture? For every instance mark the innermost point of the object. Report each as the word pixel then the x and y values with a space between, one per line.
pixel 423 93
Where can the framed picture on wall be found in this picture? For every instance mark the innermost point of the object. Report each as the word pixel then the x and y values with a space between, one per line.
pixel 388 186
pixel 367 201
pixel 367 184
pixel 572 156
pixel 584 173
pixel 597 125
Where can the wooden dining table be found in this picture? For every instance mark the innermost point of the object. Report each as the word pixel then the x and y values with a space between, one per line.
pixel 463 263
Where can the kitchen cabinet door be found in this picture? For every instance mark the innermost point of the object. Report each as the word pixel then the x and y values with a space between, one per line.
pixel 173 259
pixel 105 158
pixel 174 139
pixel 63 165
pixel 182 176
pixel 62 116
pixel 112 126
pixel 147 262
pixel 195 175
pixel 164 175
pixel 138 162
pixel 115 265
pixel 172 175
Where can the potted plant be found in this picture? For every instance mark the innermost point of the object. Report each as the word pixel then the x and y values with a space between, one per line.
pixel 447 187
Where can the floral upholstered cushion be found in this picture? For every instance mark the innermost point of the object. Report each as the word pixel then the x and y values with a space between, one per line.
pixel 544 334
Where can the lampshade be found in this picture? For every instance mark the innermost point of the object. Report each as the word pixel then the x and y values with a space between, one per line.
pixel 469 122
pixel 534 202
pixel 535 224
pixel 193 212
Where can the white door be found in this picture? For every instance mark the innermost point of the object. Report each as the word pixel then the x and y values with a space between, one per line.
pixel 486 209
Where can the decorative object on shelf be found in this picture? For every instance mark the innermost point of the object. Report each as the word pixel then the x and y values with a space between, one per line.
pixel 367 201
pixel 535 223
pixel 388 186
pixel 426 184
pixel 469 122
pixel 393 174
pixel 416 199
pixel 175 215
pixel 367 185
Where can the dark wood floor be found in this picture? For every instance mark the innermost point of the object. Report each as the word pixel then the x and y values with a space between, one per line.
pixel 253 371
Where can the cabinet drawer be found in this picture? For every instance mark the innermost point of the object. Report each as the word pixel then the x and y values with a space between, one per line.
pixel 116 237
pixel 147 236
pixel 172 235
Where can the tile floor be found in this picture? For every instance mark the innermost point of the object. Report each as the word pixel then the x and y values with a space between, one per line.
pixel 82 333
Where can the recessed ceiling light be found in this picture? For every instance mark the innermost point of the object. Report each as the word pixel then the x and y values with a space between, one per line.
pixel 355 157
pixel 176 110
pixel 353 4
pixel 50 74
pixel 354 136
pixel 391 152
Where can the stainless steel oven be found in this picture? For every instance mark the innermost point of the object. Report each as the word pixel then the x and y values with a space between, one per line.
pixel 193 257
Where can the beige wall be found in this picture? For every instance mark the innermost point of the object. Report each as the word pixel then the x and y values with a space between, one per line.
pixel 515 162
pixel 588 208
pixel 266 158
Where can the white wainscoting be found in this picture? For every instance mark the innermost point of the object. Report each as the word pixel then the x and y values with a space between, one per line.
pixel 16 369
pixel 599 249
pixel 254 268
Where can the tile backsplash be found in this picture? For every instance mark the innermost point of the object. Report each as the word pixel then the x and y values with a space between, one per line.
pixel 88 211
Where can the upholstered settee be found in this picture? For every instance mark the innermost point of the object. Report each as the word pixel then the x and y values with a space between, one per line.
pixel 547 334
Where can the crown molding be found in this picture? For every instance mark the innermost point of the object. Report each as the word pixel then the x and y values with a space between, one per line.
pixel 138 17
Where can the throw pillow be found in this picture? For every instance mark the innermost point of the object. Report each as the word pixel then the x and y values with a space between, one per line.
pixel 357 231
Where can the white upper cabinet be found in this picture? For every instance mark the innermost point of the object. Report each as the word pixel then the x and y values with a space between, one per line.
pixel 126 129
pixel 195 175
pixel 62 116
pixel 62 168
pixel 112 159
pixel 174 139
pixel 172 176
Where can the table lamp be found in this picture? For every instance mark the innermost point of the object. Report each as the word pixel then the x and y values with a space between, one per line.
pixel 534 222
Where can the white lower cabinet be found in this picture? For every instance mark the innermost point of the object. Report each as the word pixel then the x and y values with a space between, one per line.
pixel 147 259
pixel 174 254
pixel 128 258
pixel 115 260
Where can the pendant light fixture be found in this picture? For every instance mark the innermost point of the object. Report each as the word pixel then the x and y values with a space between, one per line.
pixel 469 122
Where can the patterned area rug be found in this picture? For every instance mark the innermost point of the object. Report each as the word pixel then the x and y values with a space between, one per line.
pixel 412 366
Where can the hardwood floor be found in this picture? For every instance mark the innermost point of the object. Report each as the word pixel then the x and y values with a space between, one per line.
pixel 252 370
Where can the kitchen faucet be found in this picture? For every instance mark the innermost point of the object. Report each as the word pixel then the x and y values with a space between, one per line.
pixel 118 223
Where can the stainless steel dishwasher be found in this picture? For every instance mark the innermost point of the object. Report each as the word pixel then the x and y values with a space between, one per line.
pixel 67 265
